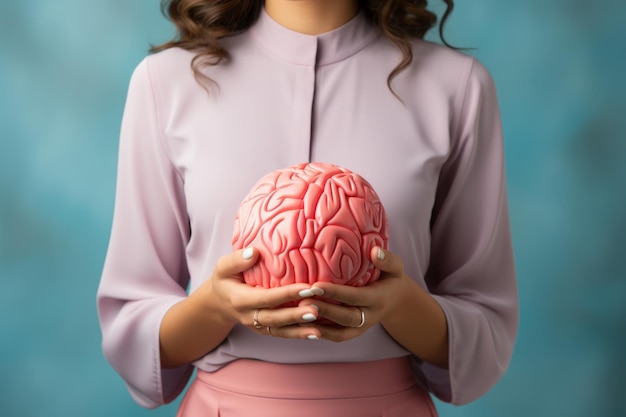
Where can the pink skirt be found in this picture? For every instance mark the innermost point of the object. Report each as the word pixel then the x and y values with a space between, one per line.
pixel 249 388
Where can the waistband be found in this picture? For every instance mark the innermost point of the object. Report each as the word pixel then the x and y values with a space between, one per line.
pixel 313 380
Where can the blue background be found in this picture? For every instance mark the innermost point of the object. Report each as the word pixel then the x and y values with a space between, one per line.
pixel 559 67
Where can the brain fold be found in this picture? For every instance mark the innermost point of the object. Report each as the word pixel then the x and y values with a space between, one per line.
pixel 311 222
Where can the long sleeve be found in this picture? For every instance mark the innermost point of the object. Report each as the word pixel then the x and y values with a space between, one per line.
pixel 145 271
pixel 471 271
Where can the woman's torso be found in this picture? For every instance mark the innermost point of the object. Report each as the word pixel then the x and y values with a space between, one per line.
pixel 285 98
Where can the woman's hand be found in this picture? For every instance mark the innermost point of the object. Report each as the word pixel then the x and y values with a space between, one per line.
pixel 407 312
pixel 260 309
pixel 356 309
pixel 200 322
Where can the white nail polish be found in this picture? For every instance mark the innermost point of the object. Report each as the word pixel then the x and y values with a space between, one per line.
pixel 309 317
pixel 306 293
pixel 312 337
pixel 381 254
pixel 247 254
pixel 315 307
pixel 317 291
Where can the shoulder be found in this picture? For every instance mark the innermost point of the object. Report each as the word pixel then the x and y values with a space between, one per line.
pixel 452 65
pixel 440 73
pixel 438 53
pixel 165 74
pixel 172 63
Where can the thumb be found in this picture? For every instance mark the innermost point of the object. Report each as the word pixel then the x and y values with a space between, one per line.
pixel 386 261
pixel 236 262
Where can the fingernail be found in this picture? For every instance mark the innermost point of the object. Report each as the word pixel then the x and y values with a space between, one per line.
pixel 309 317
pixel 312 337
pixel 317 291
pixel 381 254
pixel 306 293
pixel 247 254
pixel 315 307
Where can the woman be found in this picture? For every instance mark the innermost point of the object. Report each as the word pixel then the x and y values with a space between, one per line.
pixel 249 87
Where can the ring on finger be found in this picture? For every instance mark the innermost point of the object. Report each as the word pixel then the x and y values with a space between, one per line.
pixel 255 319
pixel 362 318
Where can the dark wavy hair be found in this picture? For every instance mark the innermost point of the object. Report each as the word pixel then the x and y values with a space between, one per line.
pixel 200 24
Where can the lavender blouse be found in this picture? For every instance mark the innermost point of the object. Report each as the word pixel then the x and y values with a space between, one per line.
pixel 187 159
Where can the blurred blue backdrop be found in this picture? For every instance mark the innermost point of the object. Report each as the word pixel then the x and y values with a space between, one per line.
pixel 560 67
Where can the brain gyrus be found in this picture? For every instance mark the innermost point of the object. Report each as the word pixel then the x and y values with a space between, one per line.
pixel 311 222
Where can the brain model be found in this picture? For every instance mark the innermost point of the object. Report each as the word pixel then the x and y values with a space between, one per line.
pixel 311 222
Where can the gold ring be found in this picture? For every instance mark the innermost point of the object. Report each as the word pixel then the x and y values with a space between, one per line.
pixel 255 319
pixel 362 318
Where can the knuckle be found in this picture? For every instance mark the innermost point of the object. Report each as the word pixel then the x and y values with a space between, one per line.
pixel 221 266
pixel 237 301
pixel 399 262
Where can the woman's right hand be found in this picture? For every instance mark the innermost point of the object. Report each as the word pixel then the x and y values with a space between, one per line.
pixel 238 302
pixel 203 320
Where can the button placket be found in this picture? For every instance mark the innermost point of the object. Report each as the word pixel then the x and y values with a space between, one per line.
pixel 303 113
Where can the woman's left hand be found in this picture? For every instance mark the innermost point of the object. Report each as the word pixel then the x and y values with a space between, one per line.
pixel 356 309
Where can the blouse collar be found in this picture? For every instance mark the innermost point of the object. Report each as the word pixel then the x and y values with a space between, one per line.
pixel 327 48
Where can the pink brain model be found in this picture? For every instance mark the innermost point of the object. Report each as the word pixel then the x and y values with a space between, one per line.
pixel 311 222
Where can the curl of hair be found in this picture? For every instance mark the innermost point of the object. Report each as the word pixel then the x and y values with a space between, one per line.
pixel 200 24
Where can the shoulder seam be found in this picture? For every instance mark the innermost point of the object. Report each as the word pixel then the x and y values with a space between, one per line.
pixel 461 96
pixel 157 115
